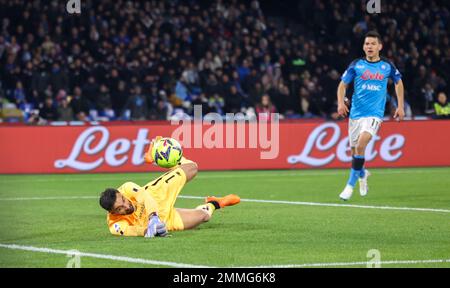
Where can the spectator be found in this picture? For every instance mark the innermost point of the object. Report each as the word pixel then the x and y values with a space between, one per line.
pixel 442 107
pixel 216 104
pixel 427 99
pixel 19 95
pixel 90 90
pixel 25 77
pixel 65 112
pixel 152 93
pixel 48 111
pixel 243 70
pixel 202 102
pixel 35 119
pixel 210 62
pixel 160 111
pixel 40 79
pixel 103 101
pixel 79 104
pixel 233 100
pixel 210 42
pixel 78 73
pixel 305 103
pixel 212 85
pixel 255 94
pixel 58 78
pixel 265 108
pixel 119 97
pixel 282 98
pixel 137 105
pixel 181 90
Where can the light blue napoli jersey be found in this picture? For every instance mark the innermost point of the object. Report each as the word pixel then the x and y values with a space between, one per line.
pixel 370 86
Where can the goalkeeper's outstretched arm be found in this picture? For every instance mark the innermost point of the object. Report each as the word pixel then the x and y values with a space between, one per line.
pixel 189 167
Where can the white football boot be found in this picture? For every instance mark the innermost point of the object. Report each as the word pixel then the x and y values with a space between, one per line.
pixel 347 193
pixel 363 186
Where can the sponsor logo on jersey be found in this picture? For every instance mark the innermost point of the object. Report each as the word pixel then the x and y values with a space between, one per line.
pixel 367 75
pixel 371 87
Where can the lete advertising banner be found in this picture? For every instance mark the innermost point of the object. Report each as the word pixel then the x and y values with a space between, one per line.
pixel 120 148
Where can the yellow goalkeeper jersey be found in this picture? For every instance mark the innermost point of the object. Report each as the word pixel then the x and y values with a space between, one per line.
pixel 135 223
pixel 158 196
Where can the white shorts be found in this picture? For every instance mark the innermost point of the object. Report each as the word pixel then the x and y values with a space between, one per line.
pixel 365 124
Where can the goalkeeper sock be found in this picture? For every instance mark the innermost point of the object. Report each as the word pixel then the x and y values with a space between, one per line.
pixel 215 204
pixel 208 208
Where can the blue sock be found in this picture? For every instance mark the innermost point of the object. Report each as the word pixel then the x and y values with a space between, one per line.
pixel 354 175
pixel 357 170
pixel 362 173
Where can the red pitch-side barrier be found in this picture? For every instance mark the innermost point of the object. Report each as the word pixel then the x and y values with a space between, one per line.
pixel 120 148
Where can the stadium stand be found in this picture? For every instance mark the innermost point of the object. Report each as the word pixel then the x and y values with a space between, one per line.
pixel 136 60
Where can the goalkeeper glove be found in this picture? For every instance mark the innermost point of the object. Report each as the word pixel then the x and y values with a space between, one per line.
pixel 148 158
pixel 155 227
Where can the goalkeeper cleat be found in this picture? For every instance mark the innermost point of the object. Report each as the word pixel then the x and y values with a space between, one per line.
pixel 363 186
pixel 148 158
pixel 347 193
pixel 228 200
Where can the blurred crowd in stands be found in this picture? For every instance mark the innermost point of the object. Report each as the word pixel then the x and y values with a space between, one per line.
pixel 155 60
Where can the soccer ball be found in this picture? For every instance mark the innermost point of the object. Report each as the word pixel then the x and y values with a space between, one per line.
pixel 167 152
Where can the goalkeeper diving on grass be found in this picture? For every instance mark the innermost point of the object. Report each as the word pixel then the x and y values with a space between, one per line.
pixel 149 210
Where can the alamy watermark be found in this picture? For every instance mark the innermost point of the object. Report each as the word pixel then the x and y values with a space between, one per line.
pixel 374 256
pixel 74 259
pixel 73 6
pixel 373 6
pixel 232 131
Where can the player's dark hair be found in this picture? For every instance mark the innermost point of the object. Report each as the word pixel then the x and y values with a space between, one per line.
pixel 373 34
pixel 108 198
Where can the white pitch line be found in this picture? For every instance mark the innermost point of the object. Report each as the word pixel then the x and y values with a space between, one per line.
pixel 332 205
pixel 392 262
pixel 102 256
pixel 48 198
pixel 255 201
pixel 202 177
pixel 183 265
pixel 253 173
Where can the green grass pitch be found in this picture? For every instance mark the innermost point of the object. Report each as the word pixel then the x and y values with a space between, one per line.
pixel 61 212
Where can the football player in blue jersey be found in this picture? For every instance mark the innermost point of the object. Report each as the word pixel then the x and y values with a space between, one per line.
pixel 370 79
